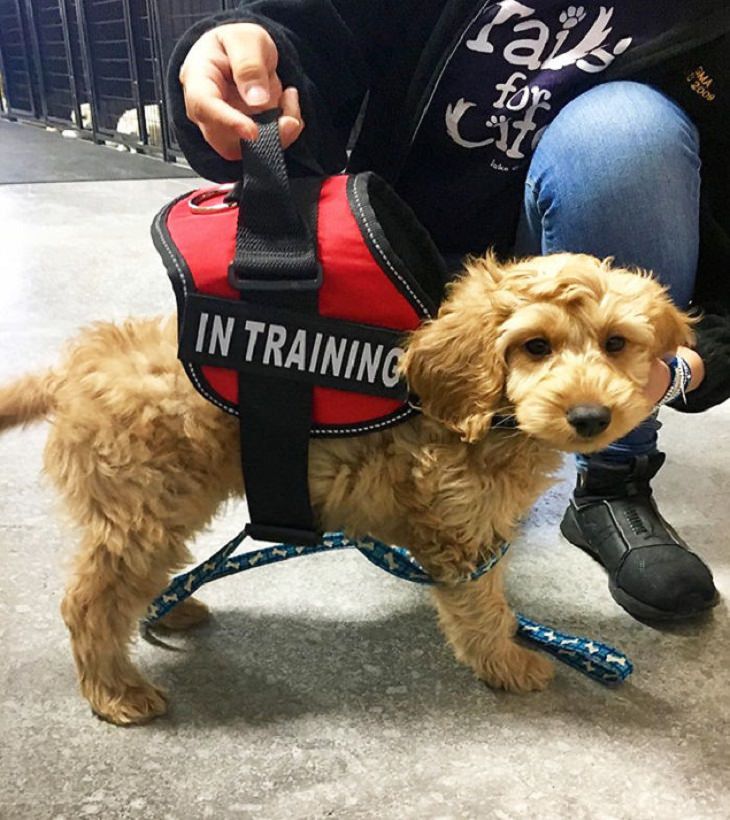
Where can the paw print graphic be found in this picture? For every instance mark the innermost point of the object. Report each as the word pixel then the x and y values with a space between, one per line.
pixel 572 16
pixel 495 121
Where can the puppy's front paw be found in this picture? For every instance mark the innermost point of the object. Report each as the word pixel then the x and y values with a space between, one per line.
pixel 518 670
pixel 131 704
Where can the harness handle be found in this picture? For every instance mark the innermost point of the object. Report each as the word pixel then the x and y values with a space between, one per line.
pixel 274 248
pixel 275 266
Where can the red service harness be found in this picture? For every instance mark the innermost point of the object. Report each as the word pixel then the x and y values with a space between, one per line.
pixel 293 298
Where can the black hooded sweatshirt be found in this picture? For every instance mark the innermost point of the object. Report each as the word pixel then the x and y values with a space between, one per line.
pixel 373 73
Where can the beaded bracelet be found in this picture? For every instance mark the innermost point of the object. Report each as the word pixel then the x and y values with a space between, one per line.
pixel 681 376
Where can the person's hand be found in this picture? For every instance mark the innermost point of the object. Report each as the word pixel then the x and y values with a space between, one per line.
pixel 659 376
pixel 229 74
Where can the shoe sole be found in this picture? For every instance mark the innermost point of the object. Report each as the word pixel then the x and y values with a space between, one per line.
pixel 636 608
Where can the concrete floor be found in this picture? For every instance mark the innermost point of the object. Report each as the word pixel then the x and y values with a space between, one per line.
pixel 321 688
pixel 31 153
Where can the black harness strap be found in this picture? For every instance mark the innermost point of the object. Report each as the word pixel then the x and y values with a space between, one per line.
pixel 275 266
pixel 274 248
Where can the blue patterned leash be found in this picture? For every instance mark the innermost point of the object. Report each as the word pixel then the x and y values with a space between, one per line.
pixel 599 661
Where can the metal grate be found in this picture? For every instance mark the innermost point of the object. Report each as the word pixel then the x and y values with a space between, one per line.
pixel 97 64
pixel 82 117
pixel 55 69
pixel 175 17
pixel 15 65
pixel 142 44
pixel 109 61
pixel 170 20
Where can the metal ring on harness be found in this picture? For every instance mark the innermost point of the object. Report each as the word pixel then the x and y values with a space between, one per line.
pixel 211 193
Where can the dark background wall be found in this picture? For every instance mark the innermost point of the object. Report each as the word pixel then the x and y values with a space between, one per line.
pixel 95 65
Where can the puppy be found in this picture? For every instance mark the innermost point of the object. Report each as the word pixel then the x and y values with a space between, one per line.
pixel 564 343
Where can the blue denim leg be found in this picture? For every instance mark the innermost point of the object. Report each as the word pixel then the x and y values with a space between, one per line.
pixel 617 173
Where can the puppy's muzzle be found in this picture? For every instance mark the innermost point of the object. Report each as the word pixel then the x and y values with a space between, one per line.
pixel 589 420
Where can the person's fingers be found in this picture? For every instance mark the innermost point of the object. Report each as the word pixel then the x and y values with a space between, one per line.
pixel 252 58
pixel 291 124
pixel 229 75
pixel 222 124
pixel 205 105
pixel 225 140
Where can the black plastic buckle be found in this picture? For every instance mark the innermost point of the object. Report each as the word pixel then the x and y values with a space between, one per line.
pixel 246 283
pixel 283 535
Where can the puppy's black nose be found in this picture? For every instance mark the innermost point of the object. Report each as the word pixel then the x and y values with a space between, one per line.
pixel 589 419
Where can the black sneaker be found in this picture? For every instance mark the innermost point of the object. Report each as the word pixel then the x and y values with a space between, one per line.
pixel 652 573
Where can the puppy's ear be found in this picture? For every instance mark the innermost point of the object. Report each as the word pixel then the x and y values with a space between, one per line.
pixel 451 363
pixel 672 327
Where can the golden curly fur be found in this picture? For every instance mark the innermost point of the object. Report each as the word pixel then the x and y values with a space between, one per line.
pixel 143 462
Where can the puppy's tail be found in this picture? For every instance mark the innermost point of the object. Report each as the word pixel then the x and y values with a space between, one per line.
pixel 27 399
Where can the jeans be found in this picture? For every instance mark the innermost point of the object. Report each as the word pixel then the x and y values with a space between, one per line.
pixel 617 173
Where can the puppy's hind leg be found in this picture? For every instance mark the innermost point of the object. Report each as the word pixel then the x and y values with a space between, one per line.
pixel 117 575
pixel 480 627
pixel 187 614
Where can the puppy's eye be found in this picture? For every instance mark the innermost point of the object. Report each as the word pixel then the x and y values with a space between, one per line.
pixel 614 344
pixel 538 348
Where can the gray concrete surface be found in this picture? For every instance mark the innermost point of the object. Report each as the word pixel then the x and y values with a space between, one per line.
pixel 31 153
pixel 322 688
